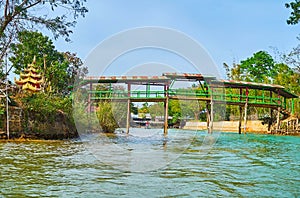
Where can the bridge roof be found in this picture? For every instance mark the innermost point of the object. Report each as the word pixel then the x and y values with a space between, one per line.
pixel 188 76
pixel 155 80
pixel 253 85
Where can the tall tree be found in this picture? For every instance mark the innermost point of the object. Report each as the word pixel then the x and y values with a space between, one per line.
pixel 288 78
pixel 258 68
pixel 59 69
pixel 20 15
pixel 293 57
pixel 295 13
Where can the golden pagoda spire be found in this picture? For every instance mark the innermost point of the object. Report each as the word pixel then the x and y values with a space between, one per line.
pixel 30 79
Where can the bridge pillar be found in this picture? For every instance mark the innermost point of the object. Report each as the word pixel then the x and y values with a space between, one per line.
pixel 240 111
pixel 211 119
pixel 207 116
pixel 246 108
pixel 89 98
pixel 166 109
pixel 270 122
pixel 128 108
pixel 240 119
pixel 210 130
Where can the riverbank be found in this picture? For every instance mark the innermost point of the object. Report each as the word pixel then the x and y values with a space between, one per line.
pixel 255 126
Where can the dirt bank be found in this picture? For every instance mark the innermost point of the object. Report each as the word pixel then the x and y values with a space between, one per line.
pixel 229 126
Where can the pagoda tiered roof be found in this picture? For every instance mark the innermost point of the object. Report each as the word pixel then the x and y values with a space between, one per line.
pixel 30 79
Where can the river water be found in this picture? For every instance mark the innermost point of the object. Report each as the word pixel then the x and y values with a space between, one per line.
pixel 233 165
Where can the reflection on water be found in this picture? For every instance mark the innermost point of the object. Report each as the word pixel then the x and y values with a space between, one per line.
pixel 237 165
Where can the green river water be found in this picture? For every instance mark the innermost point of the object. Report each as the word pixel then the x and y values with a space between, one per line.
pixel 235 165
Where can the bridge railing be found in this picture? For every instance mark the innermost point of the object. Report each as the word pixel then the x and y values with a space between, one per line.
pixel 123 94
pixel 217 96
pixel 252 99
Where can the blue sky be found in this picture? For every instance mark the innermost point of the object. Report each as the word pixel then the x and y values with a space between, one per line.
pixel 230 30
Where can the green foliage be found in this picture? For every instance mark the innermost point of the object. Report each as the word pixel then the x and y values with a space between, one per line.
pixel 2 110
pixel 156 109
pixel 288 78
pixel 258 68
pixel 133 109
pixel 45 106
pixel 23 15
pixel 59 69
pixel 144 109
pixel 262 68
pixel 106 117
pixel 295 13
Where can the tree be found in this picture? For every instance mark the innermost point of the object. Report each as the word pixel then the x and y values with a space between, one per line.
pixel 144 109
pixel 258 68
pixel 59 69
pixel 295 14
pixel 156 109
pixel 233 73
pixel 288 78
pixel 293 57
pixel 20 15
pixel 133 109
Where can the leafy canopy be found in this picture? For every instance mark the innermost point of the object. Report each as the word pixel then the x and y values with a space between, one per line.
pixel 59 69
pixel 295 13
pixel 258 68
pixel 52 15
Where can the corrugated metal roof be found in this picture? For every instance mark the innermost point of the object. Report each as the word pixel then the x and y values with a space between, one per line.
pixel 188 76
pixel 237 84
pixel 253 85
pixel 127 79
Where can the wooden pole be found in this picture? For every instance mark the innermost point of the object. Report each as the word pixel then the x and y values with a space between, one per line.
pixel 207 116
pixel 89 98
pixel 166 105
pixel 271 114
pixel 240 120
pixel 246 108
pixel 207 111
pixel 240 111
pixel 211 112
pixel 278 112
pixel 128 108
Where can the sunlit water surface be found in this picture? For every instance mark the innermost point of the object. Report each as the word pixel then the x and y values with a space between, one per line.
pixel 234 166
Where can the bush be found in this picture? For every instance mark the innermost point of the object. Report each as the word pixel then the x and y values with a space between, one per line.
pixel 106 117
